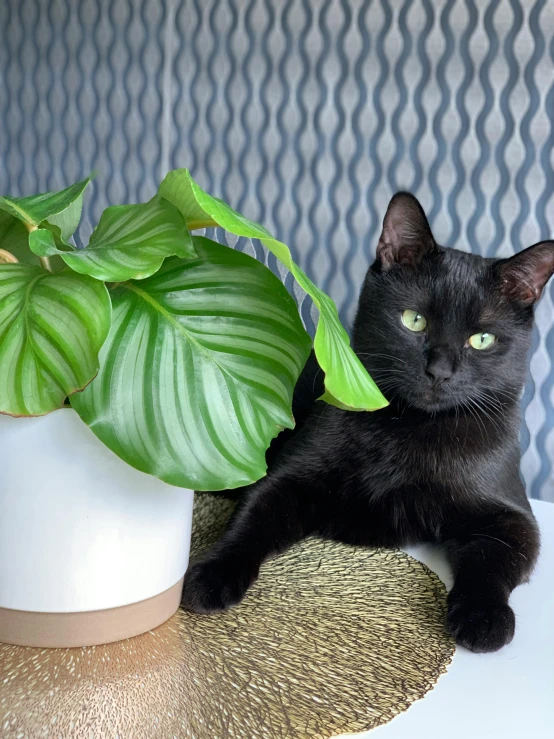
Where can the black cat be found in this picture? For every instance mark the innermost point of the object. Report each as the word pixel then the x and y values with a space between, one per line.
pixel 446 335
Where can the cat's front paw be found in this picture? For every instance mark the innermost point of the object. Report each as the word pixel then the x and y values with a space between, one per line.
pixel 479 622
pixel 215 585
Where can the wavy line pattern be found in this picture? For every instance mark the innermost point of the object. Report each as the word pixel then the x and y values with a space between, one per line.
pixel 306 116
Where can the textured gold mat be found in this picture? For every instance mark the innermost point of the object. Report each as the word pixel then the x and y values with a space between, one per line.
pixel 331 639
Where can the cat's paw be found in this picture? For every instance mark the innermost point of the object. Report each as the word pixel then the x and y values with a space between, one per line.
pixel 480 623
pixel 215 585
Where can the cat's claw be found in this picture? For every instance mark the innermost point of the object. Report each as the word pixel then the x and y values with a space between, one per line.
pixel 214 585
pixel 480 624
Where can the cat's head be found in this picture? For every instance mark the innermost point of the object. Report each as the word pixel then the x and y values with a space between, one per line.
pixel 442 328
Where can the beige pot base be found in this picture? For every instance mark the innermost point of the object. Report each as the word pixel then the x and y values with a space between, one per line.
pixel 89 628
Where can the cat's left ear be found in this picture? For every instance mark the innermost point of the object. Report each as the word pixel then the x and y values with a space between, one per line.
pixel 406 235
pixel 523 276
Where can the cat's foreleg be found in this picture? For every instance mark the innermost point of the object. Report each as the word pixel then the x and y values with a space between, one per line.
pixel 495 554
pixel 275 513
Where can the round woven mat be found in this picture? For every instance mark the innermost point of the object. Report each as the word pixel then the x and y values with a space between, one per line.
pixel 331 639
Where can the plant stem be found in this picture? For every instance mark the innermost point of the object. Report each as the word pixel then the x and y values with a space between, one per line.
pixel 45 263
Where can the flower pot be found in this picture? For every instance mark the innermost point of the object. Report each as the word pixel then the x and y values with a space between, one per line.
pixel 91 550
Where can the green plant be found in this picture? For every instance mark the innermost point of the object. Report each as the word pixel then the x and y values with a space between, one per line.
pixel 179 353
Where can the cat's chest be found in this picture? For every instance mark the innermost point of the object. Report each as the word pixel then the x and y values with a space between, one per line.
pixel 420 456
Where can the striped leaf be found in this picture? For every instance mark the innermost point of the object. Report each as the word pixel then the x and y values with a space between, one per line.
pixel 198 370
pixel 130 242
pixel 35 209
pixel 52 327
pixel 347 383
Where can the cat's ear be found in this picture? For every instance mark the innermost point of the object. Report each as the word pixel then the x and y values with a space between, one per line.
pixel 523 276
pixel 406 234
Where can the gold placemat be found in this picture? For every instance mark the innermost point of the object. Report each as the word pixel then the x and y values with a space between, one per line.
pixel 331 639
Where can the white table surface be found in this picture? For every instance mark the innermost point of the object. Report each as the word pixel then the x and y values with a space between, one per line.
pixel 505 695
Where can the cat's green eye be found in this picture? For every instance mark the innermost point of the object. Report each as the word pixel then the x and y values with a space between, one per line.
pixel 413 320
pixel 482 341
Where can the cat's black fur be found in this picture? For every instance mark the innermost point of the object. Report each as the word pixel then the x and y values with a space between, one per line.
pixel 439 464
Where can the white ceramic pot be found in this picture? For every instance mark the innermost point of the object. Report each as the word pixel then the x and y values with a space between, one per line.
pixel 91 550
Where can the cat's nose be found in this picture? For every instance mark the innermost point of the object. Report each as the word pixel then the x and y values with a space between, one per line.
pixel 440 366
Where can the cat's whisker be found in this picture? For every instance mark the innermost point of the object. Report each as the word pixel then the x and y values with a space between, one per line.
pixel 466 426
pixel 386 389
pixel 324 408
pixel 457 416
pixel 493 413
pixel 377 354
pixel 315 378
pixel 485 434
pixel 489 536
pixel 484 412
pixel 497 408
pixel 480 425
pixel 489 401
pixel 506 393
pixel 491 396
pixel 386 373
pixel 496 412
pixel 393 397
pixel 383 369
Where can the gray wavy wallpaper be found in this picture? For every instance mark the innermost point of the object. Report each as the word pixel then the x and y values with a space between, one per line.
pixel 306 115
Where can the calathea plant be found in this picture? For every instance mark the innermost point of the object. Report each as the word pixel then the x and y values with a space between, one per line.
pixel 179 353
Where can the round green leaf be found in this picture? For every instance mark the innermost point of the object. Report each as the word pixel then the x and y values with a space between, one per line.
pixel 198 370
pixel 130 242
pixel 42 243
pixel 52 327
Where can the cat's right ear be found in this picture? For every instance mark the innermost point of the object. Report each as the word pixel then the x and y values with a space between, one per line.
pixel 406 234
